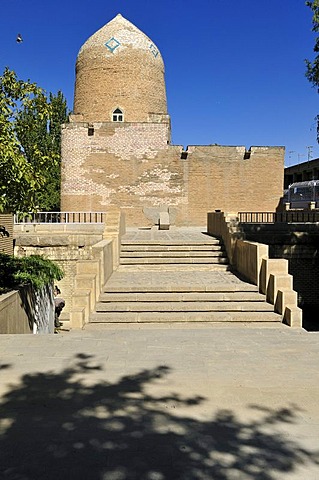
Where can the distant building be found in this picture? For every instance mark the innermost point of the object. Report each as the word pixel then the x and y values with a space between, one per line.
pixel 302 172
pixel 117 151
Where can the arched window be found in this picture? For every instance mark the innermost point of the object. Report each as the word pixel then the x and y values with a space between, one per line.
pixel 117 115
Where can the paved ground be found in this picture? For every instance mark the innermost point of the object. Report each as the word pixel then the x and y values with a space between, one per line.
pixel 177 234
pixel 151 402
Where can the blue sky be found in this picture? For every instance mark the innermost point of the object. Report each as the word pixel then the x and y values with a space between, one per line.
pixel 235 71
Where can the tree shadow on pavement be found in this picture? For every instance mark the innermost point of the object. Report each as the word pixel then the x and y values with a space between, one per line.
pixel 61 426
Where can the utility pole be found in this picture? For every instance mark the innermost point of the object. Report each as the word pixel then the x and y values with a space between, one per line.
pixel 309 152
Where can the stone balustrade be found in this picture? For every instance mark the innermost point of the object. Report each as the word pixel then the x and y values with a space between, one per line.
pixel 251 260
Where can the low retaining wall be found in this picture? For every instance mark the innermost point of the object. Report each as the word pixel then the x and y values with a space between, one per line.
pixel 252 261
pixel 13 317
pixel 26 311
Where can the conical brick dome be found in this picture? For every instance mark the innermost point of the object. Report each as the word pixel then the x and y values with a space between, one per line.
pixel 119 69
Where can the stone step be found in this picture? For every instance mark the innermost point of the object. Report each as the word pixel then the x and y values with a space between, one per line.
pixel 172 260
pixel 181 297
pixel 184 306
pixel 178 267
pixel 226 288
pixel 172 317
pixel 171 267
pixel 168 254
pixel 170 243
pixel 170 248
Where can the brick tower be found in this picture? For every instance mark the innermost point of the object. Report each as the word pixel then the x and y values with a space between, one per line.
pixel 119 68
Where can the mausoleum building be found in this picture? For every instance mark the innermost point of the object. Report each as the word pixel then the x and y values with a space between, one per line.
pixel 117 151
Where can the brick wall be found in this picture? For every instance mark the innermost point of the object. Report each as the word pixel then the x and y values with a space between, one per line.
pixel 233 180
pixel 131 166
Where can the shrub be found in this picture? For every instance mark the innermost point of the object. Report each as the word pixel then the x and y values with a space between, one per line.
pixel 34 270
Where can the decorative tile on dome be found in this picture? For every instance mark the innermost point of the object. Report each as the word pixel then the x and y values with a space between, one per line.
pixel 112 44
pixel 154 50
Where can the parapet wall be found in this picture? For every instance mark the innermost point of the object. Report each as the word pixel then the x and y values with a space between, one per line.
pixel 132 166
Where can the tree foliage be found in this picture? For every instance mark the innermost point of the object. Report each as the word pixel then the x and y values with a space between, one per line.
pixel 312 72
pixel 29 145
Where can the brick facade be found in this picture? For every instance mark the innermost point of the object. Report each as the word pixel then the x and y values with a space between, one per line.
pixel 131 164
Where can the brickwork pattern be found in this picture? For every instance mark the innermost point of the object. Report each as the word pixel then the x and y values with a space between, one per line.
pixel 119 67
pixel 131 166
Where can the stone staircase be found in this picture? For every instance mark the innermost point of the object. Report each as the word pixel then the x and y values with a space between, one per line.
pixel 185 280
pixel 172 254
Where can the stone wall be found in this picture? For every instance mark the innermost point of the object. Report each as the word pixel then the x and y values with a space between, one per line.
pixel 132 166
pixel 87 253
pixel 65 249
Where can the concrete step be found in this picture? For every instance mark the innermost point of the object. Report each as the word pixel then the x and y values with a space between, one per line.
pixel 185 306
pixel 181 297
pixel 172 260
pixel 172 317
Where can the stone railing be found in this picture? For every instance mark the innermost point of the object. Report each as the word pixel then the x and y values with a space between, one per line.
pixel 92 274
pixel 251 260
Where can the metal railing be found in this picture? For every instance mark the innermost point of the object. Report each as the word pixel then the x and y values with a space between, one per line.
pixel 257 217
pixel 60 217
pixel 279 217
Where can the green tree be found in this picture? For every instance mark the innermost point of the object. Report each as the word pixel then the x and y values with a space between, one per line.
pixel 29 145
pixel 312 72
